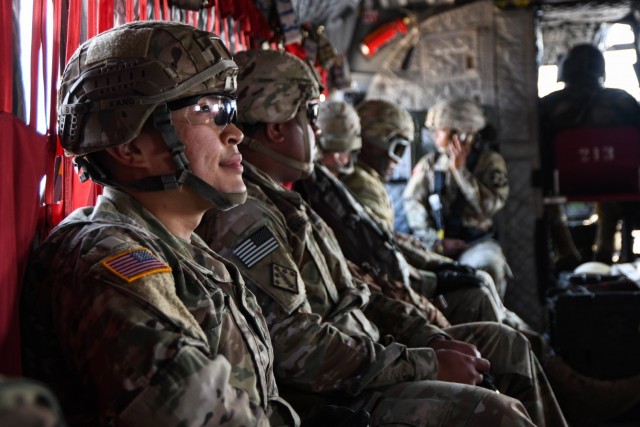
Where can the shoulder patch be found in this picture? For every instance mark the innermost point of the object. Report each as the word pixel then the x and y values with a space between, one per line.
pixel 256 247
pixel 135 263
pixel 284 278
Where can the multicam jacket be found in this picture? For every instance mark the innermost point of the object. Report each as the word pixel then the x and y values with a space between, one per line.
pixel 483 191
pixel 131 325
pixel 316 312
pixel 368 187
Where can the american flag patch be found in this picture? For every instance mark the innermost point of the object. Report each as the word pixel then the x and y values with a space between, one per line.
pixel 256 247
pixel 135 263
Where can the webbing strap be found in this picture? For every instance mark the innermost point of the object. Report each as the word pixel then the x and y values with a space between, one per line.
pixel 105 15
pixel 129 16
pixel 142 8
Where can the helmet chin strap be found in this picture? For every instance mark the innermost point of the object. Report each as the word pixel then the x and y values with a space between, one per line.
pixel 183 175
pixel 305 167
pixel 223 201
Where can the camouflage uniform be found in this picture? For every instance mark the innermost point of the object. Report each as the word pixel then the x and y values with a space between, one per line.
pixel 368 187
pixel 128 323
pixel 485 190
pixel 320 319
pixel 26 403
pixel 180 341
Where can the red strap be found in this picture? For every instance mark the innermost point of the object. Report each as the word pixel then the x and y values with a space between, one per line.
pixel 6 53
pixel 73 27
pixel 106 15
pixel 157 13
pixel 218 19
pixel 129 11
pixel 165 5
pixel 210 19
pixel 225 30
pixel 92 19
pixel 142 7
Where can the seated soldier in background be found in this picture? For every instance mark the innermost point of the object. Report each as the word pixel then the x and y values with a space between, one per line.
pixel 470 295
pixel 453 193
pixel 583 398
pixel 128 316
pixel 333 339
pixel 583 102
pixel 27 403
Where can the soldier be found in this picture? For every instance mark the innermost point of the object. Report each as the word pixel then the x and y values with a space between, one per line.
pixel 453 194
pixel 326 346
pixel 469 295
pixel 585 398
pixel 27 403
pixel 127 315
pixel 583 102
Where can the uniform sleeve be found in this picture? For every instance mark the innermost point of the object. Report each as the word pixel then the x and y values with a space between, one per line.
pixel 132 341
pixel 406 323
pixel 310 354
pixel 372 194
pixel 415 199
pixel 487 188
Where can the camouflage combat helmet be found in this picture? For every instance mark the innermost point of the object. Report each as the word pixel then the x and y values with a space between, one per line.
pixel 582 62
pixel 120 79
pixel 386 125
pixel 458 114
pixel 272 88
pixel 340 126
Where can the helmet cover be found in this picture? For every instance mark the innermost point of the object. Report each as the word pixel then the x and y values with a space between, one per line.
pixel 383 122
pixel 115 80
pixel 456 113
pixel 340 126
pixel 273 85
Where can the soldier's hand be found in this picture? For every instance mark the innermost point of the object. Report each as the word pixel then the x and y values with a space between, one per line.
pixel 457 367
pixel 460 346
pixel 458 152
pixel 453 247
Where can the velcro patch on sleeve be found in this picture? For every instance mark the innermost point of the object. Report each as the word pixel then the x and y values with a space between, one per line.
pixel 135 263
pixel 285 278
pixel 256 247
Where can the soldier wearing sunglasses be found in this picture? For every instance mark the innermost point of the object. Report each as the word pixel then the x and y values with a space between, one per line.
pixel 129 316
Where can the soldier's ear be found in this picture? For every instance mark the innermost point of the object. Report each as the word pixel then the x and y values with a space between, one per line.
pixel 135 153
pixel 275 132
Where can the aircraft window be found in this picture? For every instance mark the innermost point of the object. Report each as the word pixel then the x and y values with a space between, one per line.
pixel 619 59
pixel 26 20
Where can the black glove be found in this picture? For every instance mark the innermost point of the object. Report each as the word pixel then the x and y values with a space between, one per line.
pixel 337 416
pixel 449 280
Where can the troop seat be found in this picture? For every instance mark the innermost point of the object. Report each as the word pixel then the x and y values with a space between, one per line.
pixel 597 163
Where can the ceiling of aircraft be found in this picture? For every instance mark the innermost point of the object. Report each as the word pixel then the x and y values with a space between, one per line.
pixel 562 22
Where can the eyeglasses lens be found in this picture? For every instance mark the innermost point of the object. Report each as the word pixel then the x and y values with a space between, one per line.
pixel 217 110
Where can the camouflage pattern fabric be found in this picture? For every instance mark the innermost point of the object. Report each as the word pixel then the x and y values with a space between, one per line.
pixel 130 325
pixel 27 403
pixel 485 191
pixel 464 304
pixel 272 86
pixel 320 320
pixel 367 185
pixel 115 80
